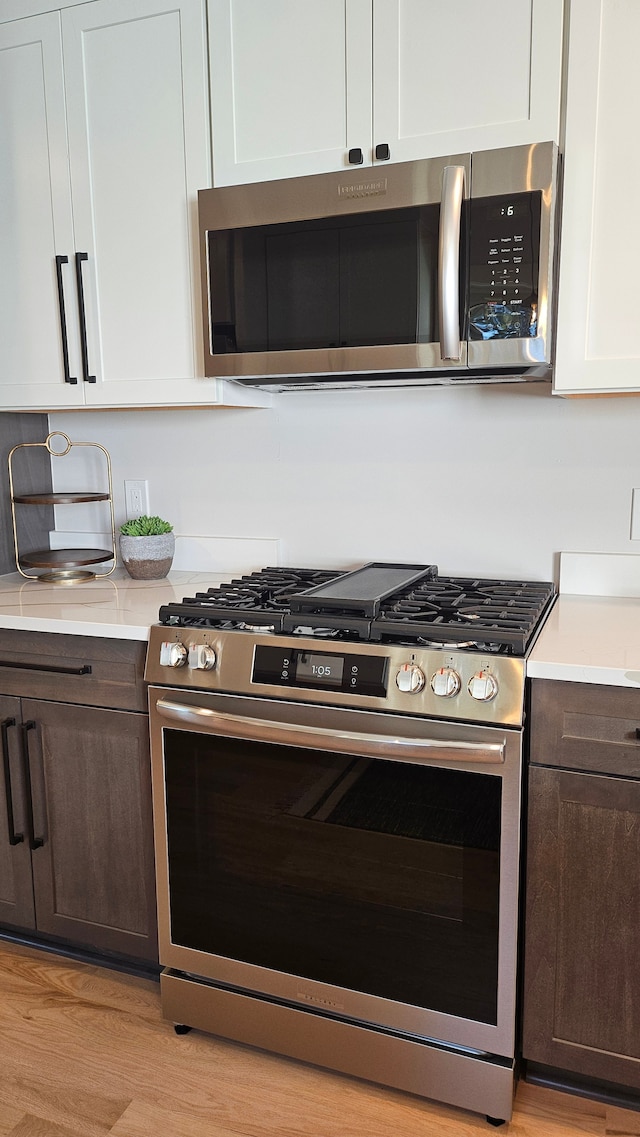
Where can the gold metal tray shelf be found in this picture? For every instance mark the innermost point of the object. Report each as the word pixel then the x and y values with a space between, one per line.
pixel 62 566
pixel 58 498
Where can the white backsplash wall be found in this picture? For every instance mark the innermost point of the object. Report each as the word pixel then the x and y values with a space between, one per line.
pixel 486 480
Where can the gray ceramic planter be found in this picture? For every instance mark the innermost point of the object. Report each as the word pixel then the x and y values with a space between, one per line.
pixel 147 558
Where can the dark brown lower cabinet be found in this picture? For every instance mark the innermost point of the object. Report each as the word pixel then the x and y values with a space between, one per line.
pixel 76 839
pixel 581 1010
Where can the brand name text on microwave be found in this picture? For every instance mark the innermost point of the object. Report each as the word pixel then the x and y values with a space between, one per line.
pixel 363 189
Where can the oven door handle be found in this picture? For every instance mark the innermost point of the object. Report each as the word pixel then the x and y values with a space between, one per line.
pixel 343 741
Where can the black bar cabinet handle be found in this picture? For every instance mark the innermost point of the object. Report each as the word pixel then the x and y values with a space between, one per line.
pixel 80 257
pixel 68 377
pixel 14 838
pixel 34 842
pixel 356 157
pixel 84 670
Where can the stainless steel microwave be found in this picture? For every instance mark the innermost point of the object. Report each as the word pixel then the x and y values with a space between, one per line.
pixel 432 272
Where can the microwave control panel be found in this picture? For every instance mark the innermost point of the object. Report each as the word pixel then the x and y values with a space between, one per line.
pixel 503 266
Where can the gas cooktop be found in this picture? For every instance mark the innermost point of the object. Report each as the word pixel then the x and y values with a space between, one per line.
pixel 381 602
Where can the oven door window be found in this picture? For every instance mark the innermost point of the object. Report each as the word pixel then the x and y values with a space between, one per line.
pixel 377 876
pixel 348 281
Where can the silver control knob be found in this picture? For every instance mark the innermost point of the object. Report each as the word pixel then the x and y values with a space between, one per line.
pixel 410 678
pixel 173 654
pixel 446 682
pixel 201 657
pixel 483 686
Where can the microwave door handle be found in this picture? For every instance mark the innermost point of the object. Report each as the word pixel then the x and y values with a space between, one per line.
pixel 418 750
pixel 449 261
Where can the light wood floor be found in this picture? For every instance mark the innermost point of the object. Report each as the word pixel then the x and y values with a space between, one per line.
pixel 84 1052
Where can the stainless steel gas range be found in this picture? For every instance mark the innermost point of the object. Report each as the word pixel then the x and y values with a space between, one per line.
pixel 337 765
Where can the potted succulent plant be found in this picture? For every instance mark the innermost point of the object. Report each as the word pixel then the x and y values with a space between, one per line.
pixel 147 545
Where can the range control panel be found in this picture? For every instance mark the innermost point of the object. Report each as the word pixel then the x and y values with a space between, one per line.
pixel 447 684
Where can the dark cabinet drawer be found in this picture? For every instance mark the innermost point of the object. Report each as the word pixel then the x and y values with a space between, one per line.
pixel 73 669
pixel 584 726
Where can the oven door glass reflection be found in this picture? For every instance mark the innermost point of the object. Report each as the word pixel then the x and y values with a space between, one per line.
pixel 374 875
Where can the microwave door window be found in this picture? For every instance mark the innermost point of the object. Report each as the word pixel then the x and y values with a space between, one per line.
pixel 349 281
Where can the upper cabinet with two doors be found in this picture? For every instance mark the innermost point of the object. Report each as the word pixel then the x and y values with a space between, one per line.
pixel 300 87
pixel 105 142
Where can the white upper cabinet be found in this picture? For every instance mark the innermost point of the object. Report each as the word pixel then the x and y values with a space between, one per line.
pixel 105 143
pixel 597 341
pixel 297 85
pixel 35 217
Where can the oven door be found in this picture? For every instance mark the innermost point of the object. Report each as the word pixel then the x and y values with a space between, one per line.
pixel 358 864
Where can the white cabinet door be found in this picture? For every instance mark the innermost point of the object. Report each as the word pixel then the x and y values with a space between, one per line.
pixel 464 76
pixel 290 86
pixel 597 339
pixel 35 219
pixel 135 81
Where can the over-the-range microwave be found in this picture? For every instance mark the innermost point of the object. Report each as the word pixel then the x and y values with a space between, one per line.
pixel 431 272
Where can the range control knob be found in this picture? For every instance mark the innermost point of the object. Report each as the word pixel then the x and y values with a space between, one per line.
pixel 410 678
pixel 201 657
pixel 483 686
pixel 446 682
pixel 173 654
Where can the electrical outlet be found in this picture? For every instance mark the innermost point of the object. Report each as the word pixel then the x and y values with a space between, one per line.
pixel 136 498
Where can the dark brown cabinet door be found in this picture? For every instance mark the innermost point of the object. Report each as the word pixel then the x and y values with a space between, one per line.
pixel 582 932
pixel 93 873
pixel 16 887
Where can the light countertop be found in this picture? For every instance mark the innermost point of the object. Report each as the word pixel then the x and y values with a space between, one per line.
pixel 115 607
pixel 590 639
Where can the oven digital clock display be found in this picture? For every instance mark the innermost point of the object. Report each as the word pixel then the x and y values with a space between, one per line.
pixel 327 669
pixel 293 667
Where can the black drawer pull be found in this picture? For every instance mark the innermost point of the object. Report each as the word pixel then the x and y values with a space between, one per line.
pixel 34 842
pixel 14 838
pixel 84 670
pixel 383 153
pixel 356 157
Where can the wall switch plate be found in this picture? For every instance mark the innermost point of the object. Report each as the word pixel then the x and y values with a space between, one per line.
pixel 136 498
pixel 635 514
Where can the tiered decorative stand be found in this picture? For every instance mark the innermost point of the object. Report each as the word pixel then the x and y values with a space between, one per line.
pixel 62 566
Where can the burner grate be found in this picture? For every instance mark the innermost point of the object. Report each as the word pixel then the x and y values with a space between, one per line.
pixel 260 598
pixel 495 613
pixel 485 615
